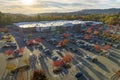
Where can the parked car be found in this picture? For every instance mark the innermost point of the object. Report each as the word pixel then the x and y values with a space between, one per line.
pixel 43 37
pixel 58 51
pixel 73 41
pixel 12 44
pixel 87 56
pixel 78 75
pixel 52 41
pixel 116 45
pixel 91 41
pixel 6 46
pixel 55 58
pixel 47 52
pixel 57 70
pixel 25 39
pixel 77 36
pixel 39 46
pixel 74 49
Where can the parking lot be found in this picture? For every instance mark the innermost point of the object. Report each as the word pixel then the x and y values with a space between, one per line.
pixel 85 59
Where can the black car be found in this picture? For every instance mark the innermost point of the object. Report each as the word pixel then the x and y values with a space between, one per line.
pixel 74 49
pixel 47 51
pixel 43 37
pixel 39 46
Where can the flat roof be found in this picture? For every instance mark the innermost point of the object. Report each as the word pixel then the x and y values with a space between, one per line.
pixel 64 23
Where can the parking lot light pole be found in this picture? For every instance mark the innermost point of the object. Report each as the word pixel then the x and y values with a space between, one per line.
pixel 22 34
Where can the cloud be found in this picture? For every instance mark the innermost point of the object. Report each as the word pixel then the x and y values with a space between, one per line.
pixel 58 4
pixel 41 6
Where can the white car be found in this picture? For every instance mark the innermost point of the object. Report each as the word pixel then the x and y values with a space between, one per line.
pixel 87 56
pixel 55 58
pixel 115 45
pixel 58 51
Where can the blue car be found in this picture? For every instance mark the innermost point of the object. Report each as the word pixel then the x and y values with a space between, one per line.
pixel 78 75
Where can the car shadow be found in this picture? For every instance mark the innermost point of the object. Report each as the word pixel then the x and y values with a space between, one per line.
pixel 102 66
pixel 97 73
pixel 114 60
pixel 115 55
pixel 84 73
pixel 81 69
pixel 43 65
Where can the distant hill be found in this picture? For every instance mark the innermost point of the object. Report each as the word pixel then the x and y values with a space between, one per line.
pixel 100 11
pixel 86 12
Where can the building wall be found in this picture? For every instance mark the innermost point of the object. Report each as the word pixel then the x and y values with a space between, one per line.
pixel 29 30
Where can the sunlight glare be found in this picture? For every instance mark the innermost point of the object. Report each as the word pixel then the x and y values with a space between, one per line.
pixel 27 2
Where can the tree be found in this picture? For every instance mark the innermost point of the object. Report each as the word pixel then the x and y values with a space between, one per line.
pixel 9 52
pixel 106 47
pixel 67 58
pixel 89 30
pixel 66 35
pixel 6 19
pixel 30 35
pixel 20 50
pixel 30 42
pixel 88 36
pixel 63 42
pixel 96 33
pixel 97 47
pixel 39 75
pixel 38 40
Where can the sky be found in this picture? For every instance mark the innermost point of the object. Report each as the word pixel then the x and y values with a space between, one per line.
pixel 48 6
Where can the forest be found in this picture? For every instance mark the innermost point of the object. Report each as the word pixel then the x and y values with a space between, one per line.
pixel 7 18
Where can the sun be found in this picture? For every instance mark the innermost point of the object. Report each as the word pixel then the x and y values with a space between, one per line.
pixel 27 2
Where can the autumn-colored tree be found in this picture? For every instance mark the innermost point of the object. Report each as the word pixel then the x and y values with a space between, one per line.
pixel 63 42
pixel 20 50
pixel 118 39
pixel 106 34
pixel 66 35
pixel 96 33
pixel 6 19
pixel 37 39
pixel 97 47
pixel 87 36
pixel 30 35
pixel 89 30
pixel 30 42
pixel 114 36
pixel 106 47
pixel 67 58
pixel 9 52
pixel 39 75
